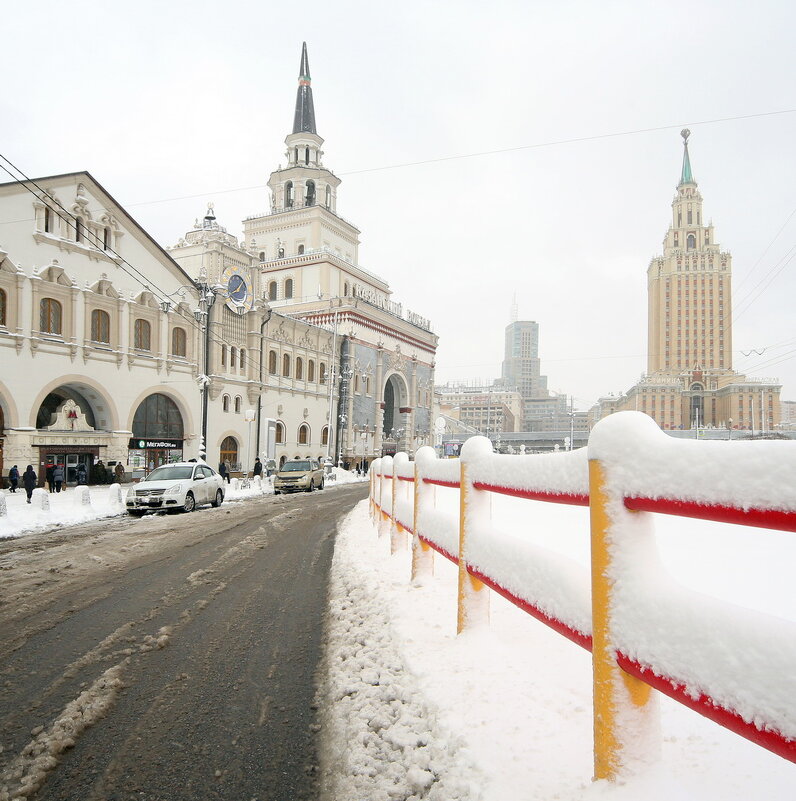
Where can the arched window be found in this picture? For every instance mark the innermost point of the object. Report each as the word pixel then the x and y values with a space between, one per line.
pixel 310 189
pixel 272 290
pixel 242 358
pixel 328 196
pixel 307 158
pixel 272 362
pixel 304 434
pixel 106 238
pixel 238 402
pixel 78 229
pixel 142 335
pixel 3 307
pixel 691 242
pixel 295 154
pixel 157 417
pixel 286 365
pixel 178 342
pixel 262 255
pixel 100 326
pixel 233 357
pixel 289 288
pixel 299 368
pixel 223 355
pixel 345 289
pixel 325 435
pixel 367 385
pixel 322 373
pixel 356 383
pixel 225 403
pixel 50 316
pixel 229 451
pixel 310 370
pixel 301 250
pixel 280 434
pixel 289 195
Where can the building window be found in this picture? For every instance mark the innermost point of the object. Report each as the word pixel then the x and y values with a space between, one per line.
pixel 78 229
pixel 238 403
pixel 325 435
pixel 289 288
pixel 280 434
pixel 100 326
pixel 48 220
pixel 299 368
pixel 286 365
pixel 225 403
pixel 310 196
pixel 262 255
pixel 223 355
pixel 3 307
pixel 142 335
pixel 322 373
pixel 306 156
pixel 328 197
pixel 242 359
pixel 310 370
pixel 106 238
pixel 272 362
pixel 289 195
pixel 178 342
pixel 345 289
pixel 304 434
pixel 50 316
pixel 301 250
pixel 233 357
pixel 690 243
pixel 272 290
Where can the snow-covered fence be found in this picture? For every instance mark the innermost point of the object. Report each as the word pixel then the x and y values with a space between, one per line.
pixel 629 470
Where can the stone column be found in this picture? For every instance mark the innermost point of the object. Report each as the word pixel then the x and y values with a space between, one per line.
pixel 377 435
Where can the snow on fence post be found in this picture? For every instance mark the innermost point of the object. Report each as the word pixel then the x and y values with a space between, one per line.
pixel 397 540
pixel 422 553
pixel 626 715
pixel 3 509
pixel 41 498
pixel 82 496
pixel 385 495
pixel 473 599
pixel 115 498
pixel 374 469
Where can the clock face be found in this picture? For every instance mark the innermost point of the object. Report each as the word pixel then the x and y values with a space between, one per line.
pixel 239 294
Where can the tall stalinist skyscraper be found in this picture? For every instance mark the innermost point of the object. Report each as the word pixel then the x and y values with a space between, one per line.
pixel 690 381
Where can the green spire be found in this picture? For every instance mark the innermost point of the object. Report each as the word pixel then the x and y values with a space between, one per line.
pixel 686 177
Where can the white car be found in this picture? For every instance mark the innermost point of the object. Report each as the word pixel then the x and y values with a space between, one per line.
pixel 183 485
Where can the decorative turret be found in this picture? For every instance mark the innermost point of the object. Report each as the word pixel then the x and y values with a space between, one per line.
pixel 686 176
pixel 304 118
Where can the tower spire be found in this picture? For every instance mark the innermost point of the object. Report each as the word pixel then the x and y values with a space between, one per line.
pixel 304 118
pixel 686 177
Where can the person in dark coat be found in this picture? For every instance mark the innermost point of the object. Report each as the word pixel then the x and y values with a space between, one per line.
pixel 258 467
pixel 48 476
pixel 222 470
pixel 29 480
pixel 58 476
pixel 82 474
pixel 13 478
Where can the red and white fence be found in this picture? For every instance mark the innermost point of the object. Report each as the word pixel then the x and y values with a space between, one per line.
pixel 623 611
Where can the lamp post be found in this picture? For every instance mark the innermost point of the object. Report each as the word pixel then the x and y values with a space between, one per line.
pixel 207 297
pixel 249 415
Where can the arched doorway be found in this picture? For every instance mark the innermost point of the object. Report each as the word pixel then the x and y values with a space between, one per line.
pixel 229 452
pixel 157 433
pixel 393 424
pixel 697 405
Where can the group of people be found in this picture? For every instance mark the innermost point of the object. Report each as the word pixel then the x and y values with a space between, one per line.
pixel 29 479
pixel 225 469
pixel 54 477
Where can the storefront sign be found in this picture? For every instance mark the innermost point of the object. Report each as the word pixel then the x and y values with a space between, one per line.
pixel 159 444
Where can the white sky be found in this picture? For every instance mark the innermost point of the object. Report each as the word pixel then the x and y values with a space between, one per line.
pixel 193 100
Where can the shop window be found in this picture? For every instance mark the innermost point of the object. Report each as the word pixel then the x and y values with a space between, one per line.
pixel 100 326
pixel 303 434
pixel 299 368
pixel 280 434
pixel 178 342
pixel 289 288
pixel 272 362
pixel 310 370
pixel 286 365
pixel 142 335
pixel 50 316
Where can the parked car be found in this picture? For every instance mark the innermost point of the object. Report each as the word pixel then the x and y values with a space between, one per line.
pixel 182 485
pixel 299 474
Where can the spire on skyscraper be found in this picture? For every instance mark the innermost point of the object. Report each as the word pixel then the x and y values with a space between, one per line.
pixel 686 177
pixel 304 118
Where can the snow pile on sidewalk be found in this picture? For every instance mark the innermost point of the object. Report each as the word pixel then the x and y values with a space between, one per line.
pixel 509 705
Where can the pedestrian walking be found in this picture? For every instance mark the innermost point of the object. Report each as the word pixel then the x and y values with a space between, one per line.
pixel 13 478
pixel 58 476
pixel 29 480
pixel 82 474
pixel 258 467
pixel 48 476
pixel 222 470
pixel 119 472
pixel 228 471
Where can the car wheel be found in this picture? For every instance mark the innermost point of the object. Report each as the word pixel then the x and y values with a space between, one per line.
pixel 190 503
pixel 135 512
pixel 322 484
pixel 276 491
pixel 219 499
pixel 311 486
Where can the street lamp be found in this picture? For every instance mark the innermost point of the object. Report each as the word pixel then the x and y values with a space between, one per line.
pixel 249 415
pixel 207 297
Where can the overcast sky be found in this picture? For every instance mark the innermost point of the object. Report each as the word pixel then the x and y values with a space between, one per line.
pixel 176 104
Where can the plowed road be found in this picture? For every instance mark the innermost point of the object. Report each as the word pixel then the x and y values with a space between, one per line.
pixel 169 657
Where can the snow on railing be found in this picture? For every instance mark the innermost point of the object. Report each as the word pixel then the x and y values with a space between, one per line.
pixel 630 467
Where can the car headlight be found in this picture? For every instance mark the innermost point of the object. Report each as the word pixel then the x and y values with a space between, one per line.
pixel 177 488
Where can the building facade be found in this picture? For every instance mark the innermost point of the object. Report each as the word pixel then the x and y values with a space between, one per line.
pixel 690 381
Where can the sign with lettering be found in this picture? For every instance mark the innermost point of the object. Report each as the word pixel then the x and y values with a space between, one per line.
pixel 140 444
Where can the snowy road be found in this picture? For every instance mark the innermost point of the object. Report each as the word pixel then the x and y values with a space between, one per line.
pixel 172 657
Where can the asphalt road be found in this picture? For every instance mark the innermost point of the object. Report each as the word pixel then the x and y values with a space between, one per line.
pixel 168 658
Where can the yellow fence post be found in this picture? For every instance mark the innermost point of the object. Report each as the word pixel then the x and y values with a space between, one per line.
pixel 385 496
pixel 625 714
pixel 473 599
pixel 422 554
